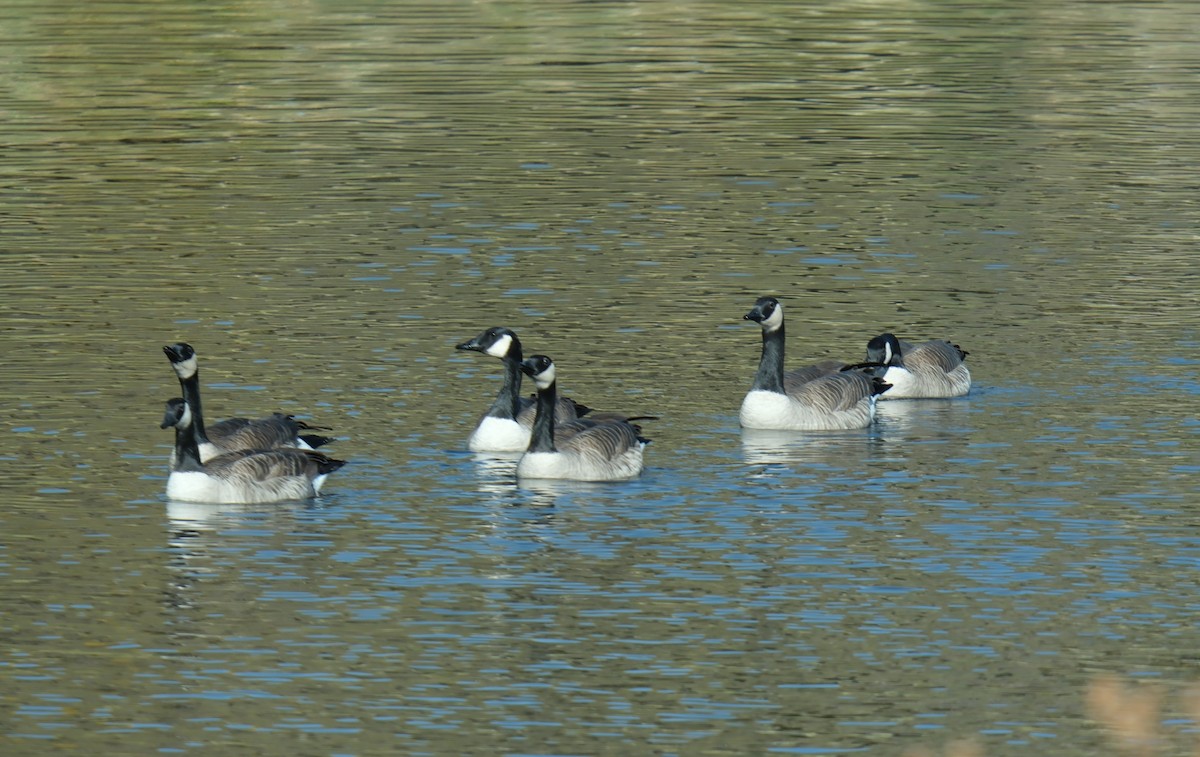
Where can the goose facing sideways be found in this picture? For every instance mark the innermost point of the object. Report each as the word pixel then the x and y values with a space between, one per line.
pixel 275 431
pixel 842 399
pixel 594 450
pixel 241 477
pixel 922 370
pixel 506 425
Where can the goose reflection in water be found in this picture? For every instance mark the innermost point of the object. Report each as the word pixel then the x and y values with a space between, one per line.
pixel 495 472
pixel 834 449
pixel 937 416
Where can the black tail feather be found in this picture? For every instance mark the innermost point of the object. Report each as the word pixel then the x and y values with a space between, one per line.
pixel 329 465
pixel 307 427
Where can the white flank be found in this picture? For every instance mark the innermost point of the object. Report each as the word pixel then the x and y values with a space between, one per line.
pixel 960 379
pixel 208 451
pixel 927 383
pixel 318 482
pixel 903 383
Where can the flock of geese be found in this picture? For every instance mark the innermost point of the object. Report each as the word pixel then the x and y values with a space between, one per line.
pixel 273 459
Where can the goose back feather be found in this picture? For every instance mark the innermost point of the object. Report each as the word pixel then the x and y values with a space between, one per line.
pixel 242 476
pixel 275 431
pixel 830 398
pixel 581 450
pixel 506 425
pixel 797 377
pixel 931 369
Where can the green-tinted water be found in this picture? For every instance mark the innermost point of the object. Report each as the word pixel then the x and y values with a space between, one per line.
pixel 325 198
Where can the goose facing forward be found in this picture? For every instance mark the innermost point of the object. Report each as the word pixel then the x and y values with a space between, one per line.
pixel 604 450
pixel 241 477
pixel 923 370
pixel 843 399
pixel 506 425
pixel 275 431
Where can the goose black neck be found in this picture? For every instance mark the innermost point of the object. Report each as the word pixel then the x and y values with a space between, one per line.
pixel 187 450
pixel 508 401
pixel 770 367
pixel 191 395
pixel 541 439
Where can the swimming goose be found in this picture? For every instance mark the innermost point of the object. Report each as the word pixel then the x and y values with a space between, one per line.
pixel 840 399
pixel 608 450
pixel 926 369
pixel 242 477
pixel 506 425
pixel 276 431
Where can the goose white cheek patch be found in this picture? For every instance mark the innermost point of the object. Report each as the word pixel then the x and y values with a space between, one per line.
pixel 185 368
pixel 545 378
pixel 775 320
pixel 500 347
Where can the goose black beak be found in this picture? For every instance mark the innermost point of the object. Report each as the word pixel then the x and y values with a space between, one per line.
pixel 177 353
pixel 754 315
pixel 472 346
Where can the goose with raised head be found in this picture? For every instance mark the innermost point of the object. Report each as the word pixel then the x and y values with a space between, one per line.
pixel 922 370
pixel 506 425
pixel 828 399
pixel 592 450
pixel 241 477
pixel 275 431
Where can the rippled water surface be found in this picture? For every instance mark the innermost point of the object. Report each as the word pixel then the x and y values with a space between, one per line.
pixel 325 198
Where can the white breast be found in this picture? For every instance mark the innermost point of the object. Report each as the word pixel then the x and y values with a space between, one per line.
pixel 195 486
pixel 772 410
pixel 904 383
pixel 499 435
pixel 762 409
pixel 577 467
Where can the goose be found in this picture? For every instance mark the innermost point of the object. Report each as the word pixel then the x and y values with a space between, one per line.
pixel 246 476
pixel 926 369
pixel 507 424
pixel 592 450
pixel 275 431
pixel 819 397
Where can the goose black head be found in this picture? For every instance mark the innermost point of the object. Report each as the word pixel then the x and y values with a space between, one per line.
pixel 178 414
pixel 767 312
pixel 539 368
pixel 884 349
pixel 496 341
pixel 183 359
